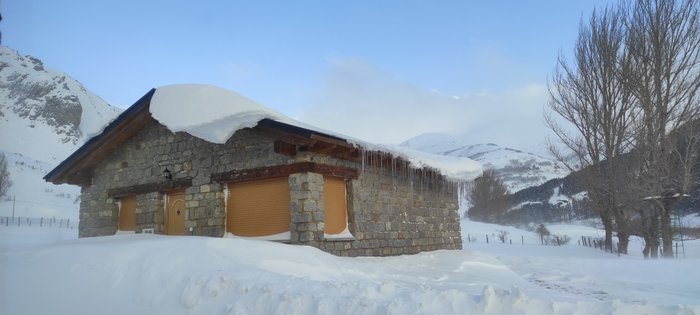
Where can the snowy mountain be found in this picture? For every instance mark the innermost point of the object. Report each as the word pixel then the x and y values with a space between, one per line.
pixel 517 169
pixel 44 116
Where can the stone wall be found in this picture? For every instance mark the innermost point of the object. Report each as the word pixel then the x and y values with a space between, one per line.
pixel 141 160
pixel 390 211
pixel 306 208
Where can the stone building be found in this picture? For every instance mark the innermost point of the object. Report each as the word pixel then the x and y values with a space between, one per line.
pixel 271 179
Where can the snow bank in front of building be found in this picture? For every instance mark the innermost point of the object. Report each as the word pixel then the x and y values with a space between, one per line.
pixel 143 274
pixel 215 114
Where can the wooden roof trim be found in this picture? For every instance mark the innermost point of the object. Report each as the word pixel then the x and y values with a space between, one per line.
pixel 261 173
pixel 300 131
pixel 140 109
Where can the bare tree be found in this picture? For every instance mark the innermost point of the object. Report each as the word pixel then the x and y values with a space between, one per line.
pixel 664 76
pixel 5 182
pixel 590 94
pixel 488 196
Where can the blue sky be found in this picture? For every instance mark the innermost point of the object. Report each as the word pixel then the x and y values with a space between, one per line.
pixel 383 71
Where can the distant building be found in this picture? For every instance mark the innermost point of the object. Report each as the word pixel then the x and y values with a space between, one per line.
pixel 273 180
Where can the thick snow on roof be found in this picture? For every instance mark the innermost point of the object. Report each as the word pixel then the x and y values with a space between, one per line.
pixel 215 114
pixel 207 112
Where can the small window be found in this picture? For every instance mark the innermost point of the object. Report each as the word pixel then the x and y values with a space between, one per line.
pixel 334 203
pixel 127 213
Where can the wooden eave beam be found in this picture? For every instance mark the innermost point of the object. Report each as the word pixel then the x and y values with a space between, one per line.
pixel 83 157
pixel 323 147
pixel 308 140
pixel 121 133
pixel 277 171
pixel 331 140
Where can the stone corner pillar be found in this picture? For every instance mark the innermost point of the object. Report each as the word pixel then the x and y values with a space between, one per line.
pixel 306 208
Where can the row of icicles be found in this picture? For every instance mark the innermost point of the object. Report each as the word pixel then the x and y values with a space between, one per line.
pixel 419 179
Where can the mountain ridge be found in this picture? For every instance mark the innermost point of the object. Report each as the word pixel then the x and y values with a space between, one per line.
pixel 45 115
pixel 518 169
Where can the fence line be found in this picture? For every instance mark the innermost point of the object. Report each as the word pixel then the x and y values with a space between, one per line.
pixel 40 222
pixel 496 238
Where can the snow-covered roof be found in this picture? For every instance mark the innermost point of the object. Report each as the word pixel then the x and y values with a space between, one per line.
pixel 215 114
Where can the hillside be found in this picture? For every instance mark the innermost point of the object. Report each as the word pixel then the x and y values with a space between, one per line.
pixel 516 168
pixel 44 116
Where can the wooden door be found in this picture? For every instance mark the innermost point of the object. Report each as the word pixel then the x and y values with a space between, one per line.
pixel 175 213
pixel 258 208
pixel 127 213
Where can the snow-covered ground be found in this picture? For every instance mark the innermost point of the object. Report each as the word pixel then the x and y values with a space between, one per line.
pixel 48 271
pixel 33 196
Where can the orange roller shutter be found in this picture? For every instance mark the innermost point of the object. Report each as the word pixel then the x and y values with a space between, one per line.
pixel 334 205
pixel 258 208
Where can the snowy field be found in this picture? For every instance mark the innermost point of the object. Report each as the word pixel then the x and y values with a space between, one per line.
pixel 49 271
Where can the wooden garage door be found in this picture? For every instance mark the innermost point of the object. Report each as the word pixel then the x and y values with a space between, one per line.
pixel 334 203
pixel 127 213
pixel 258 208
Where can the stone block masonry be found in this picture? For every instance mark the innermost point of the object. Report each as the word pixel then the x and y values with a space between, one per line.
pixel 306 208
pixel 142 159
pixel 388 212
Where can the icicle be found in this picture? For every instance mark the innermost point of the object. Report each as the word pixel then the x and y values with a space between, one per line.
pixel 381 168
pixel 422 175
pixel 410 176
pixel 362 153
pixel 393 172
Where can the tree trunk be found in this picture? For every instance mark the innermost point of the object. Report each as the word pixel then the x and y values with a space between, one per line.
pixel 666 230
pixel 647 248
pixel 608 225
pixel 654 247
pixel 653 230
pixel 621 227
pixel 623 242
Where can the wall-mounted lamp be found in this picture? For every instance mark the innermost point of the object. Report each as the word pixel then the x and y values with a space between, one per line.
pixel 167 175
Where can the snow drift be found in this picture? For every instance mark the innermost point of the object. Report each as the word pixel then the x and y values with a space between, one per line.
pixel 151 274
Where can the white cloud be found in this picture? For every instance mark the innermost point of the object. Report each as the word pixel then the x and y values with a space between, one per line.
pixel 362 101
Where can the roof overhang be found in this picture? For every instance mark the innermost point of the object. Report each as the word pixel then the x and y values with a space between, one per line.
pixel 290 140
pixel 77 168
